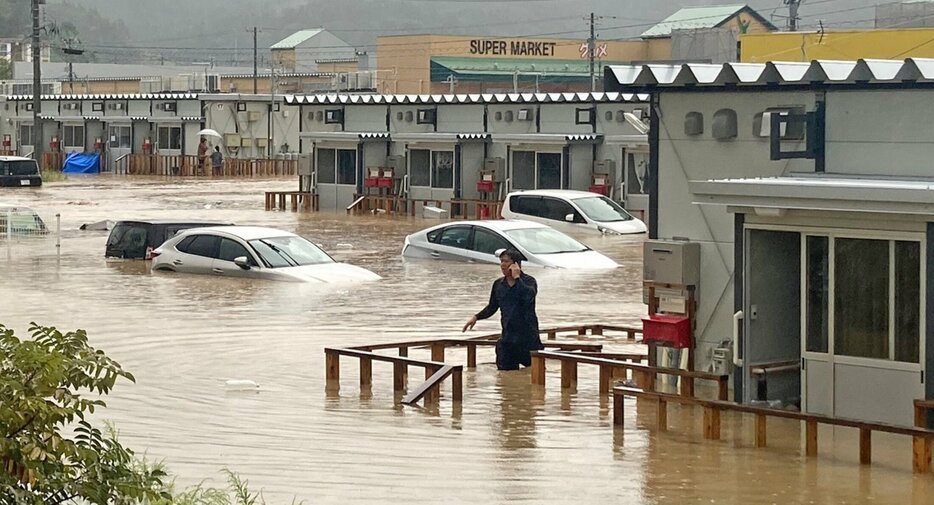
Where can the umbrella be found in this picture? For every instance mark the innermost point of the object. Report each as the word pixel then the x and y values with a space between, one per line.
pixel 210 132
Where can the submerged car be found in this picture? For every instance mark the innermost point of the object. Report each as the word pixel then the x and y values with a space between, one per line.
pixel 20 221
pixel 480 240
pixel 569 211
pixel 138 239
pixel 18 171
pixel 253 252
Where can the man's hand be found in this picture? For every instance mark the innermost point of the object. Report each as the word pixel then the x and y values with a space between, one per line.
pixel 515 271
pixel 469 326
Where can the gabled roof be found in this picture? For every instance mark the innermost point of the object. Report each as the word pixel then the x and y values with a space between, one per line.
pixel 296 38
pixel 692 18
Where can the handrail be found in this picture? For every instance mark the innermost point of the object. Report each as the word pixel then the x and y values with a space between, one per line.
pixel 921 454
pixel 355 203
pixel 432 382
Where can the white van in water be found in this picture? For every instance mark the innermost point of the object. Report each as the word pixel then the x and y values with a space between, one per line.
pixel 570 211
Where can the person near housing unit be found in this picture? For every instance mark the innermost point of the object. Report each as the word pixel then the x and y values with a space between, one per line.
pixel 202 153
pixel 217 161
pixel 514 296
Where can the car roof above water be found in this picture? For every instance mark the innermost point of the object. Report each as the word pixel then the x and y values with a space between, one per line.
pixel 569 194
pixel 169 221
pixel 15 158
pixel 244 232
pixel 497 224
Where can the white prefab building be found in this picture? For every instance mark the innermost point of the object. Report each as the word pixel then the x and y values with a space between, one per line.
pixel 439 146
pixel 810 188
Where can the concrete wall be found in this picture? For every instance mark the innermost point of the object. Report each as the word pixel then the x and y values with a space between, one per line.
pixel 684 158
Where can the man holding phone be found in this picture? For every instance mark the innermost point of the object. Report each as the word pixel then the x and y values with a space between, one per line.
pixel 514 296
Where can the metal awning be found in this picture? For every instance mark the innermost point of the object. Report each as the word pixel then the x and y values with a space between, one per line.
pixel 547 138
pixel 478 137
pixel 820 192
pixel 446 138
pixel 627 140
pixel 345 136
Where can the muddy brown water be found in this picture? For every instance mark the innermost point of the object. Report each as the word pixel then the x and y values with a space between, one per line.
pixel 184 336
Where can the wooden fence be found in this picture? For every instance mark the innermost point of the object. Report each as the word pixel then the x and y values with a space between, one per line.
pixel 458 208
pixel 186 165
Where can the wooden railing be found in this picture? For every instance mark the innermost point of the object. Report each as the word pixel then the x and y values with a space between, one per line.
pixel 609 364
pixel 429 390
pixel 921 454
pixel 7 152
pixel 304 199
pixel 460 208
pixel 52 161
pixel 185 165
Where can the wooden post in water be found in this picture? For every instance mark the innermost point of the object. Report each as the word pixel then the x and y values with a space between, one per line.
pixel 606 378
pixel 760 430
pixel 538 370
pixel 398 376
pixel 597 330
pixel 810 444
pixel 457 386
pixel 437 352
pixel 618 409
pixel 472 355
pixel 332 370
pixel 433 393
pixel 711 423
pixel 921 446
pixel 568 374
pixel 366 372
pixel 662 415
pixel 865 446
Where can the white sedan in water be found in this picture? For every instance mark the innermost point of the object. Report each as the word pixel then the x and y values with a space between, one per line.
pixel 253 252
pixel 480 240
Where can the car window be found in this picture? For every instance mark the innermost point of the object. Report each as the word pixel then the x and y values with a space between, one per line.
pixel 185 243
pixel 20 167
pixel 558 209
pixel 455 236
pixel 485 241
pixel 203 245
pixel 230 250
pixel 289 251
pixel 120 231
pixel 528 205
pixel 602 209
pixel 433 236
pixel 545 241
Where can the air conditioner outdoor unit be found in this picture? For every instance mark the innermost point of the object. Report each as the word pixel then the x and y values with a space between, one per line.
pixel 524 115
pixel 71 106
pixel 169 106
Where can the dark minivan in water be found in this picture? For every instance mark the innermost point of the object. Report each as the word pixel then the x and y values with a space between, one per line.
pixel 137 239
pixel 19 171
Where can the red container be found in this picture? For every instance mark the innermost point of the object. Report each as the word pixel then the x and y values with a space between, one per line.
pixel 384 182
pixel 600 190
pixel 371 182
pixel 672 331
pixel 485 186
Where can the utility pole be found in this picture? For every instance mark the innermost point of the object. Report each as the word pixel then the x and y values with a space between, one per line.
pixel 36 85
pixel 591 49
pixel 255 74
pixel 792 14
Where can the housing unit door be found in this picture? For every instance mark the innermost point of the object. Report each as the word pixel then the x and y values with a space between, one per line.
pixel 772 312
pixel 119 144
pixel 817 376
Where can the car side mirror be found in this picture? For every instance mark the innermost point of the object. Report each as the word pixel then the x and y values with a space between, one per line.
pixel 242 262
pixel 569 218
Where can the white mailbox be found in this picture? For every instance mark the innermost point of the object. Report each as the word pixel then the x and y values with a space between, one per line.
pixel 671 262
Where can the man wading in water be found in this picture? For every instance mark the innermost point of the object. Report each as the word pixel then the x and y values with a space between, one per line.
pixel 514 296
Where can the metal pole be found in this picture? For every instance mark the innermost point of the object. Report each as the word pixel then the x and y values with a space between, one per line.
pixel 272 108
pixel 36 86
pixel 793 14
pixel 255 75
pixel 591 48
pixel 58 234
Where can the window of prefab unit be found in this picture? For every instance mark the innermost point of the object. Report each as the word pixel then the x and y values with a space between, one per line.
pixel 549 170
pixel 120 137
pixel 73 135
pixel 337 166
pixel 523 170
pixel 637 164
pixel 877 292
pixel 170 137
pixel 817 293
pixel 442 169
pixel 420 167
pixel 25 135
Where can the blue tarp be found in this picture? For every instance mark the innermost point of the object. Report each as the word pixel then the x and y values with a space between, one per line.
pixel 82 163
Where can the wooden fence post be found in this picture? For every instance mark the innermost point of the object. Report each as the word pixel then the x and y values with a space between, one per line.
pixel 810 445
pixel 618 408
pixel 472 355
pixel 366 372
pixel 760 430
pixel 568 374
pixel 538 370
pixel 865 446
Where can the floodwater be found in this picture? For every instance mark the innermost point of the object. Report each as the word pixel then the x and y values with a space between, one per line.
pixel 184 336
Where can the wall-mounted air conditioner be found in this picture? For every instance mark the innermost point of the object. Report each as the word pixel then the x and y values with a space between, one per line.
pixel 115 106
pixel 427 116
pixel 334 116
pixel 524 115
pixel 169 106
pixel 70 106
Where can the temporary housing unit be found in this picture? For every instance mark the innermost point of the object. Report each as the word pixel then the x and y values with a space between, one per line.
pixel 450 146
pixel 809 187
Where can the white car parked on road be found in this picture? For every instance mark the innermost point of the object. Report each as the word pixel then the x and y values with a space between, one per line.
pixel 571 211
pixel 253 252
pixel 478 241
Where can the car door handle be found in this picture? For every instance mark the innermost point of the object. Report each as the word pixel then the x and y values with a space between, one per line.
pixel 435 255
pixel 218 270
pixel 178 262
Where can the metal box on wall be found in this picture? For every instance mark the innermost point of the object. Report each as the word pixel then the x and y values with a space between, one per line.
pixel 671 262
pixel 496 166
pixel 397 164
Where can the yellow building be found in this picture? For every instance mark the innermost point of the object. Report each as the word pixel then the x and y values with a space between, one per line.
pixel 838 45
pixel 477 64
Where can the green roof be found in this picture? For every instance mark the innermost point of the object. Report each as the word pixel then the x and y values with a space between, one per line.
pixel 697 17
pixel 463 68
pixel 296 38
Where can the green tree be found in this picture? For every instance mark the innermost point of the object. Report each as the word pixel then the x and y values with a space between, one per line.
pixel 49 452
pixel 6 69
